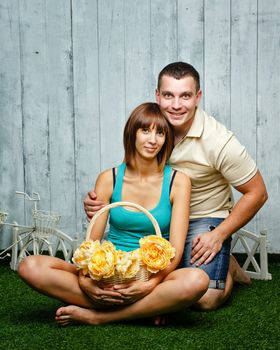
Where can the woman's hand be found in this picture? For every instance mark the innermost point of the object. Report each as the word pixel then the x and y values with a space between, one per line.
pixel 135 290
pixel 120 294
pixel 99 293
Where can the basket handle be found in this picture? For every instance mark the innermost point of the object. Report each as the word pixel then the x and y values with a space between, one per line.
pixel 127 204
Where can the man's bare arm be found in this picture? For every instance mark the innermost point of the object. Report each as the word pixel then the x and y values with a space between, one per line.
pixel 208 244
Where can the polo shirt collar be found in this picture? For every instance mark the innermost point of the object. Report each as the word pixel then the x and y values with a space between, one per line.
pixel 197 125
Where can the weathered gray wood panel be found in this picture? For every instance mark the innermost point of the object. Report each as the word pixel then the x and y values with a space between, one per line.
pixel 217 59
pixel 268 111
pixel 11 137
pixel 72 71
pixel 243 78
pixel 86 100
pixel 59 91
pixel 243 72
pixel 138 78
pixel 112 80
pixel 191 35
pixel 34 53
pixel 164 47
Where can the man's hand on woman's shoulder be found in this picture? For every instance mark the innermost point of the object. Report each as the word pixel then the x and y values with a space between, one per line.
pixel 92 204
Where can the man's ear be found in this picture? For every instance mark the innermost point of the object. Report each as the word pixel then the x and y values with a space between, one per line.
pixel 198 97
pixel 157 96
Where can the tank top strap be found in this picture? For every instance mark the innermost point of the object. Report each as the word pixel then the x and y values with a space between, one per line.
pixel 167 172
pixel 117 193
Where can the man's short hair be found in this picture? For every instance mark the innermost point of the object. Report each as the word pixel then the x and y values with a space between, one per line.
pixel 179 70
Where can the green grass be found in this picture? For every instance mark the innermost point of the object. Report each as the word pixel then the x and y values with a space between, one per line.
pixel 249 320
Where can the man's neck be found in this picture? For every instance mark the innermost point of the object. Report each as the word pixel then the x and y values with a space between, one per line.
pixel 181 132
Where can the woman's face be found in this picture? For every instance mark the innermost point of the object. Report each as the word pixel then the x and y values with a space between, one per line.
pixel 149 142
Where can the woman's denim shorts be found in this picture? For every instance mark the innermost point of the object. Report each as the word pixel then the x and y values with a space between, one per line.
pixel 217 269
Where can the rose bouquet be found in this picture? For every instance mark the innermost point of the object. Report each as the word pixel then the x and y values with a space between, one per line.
pixel 103 261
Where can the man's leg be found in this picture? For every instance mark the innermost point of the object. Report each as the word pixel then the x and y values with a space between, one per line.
pixel 223 270
pixel 180 289
pixel 214 298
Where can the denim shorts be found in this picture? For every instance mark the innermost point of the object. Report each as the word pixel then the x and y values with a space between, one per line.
pixel 217 269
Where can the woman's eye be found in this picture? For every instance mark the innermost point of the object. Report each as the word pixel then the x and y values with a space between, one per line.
pixel 145 131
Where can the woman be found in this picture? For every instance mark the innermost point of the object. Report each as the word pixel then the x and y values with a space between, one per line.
pixel 144 179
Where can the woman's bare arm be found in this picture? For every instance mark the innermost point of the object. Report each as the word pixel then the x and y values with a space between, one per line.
pixel 103 189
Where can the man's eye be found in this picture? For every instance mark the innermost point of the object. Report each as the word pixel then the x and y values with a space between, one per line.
pixel 167 95
pixel 186 96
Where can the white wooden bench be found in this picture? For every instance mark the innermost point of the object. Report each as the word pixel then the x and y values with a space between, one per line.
pixel 252 244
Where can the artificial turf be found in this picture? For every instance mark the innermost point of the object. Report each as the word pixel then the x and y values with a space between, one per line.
pixel 249 320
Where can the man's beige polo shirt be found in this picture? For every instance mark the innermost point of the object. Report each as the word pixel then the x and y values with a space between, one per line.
pixel 214 159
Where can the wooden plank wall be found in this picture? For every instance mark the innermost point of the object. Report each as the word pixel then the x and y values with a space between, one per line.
pixel 72 71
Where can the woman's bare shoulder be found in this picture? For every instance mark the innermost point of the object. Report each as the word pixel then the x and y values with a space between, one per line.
pixel 181 187
pixel 182 178
pixel 104 185
pixel 105 176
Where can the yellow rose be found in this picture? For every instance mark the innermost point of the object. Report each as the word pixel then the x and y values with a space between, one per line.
pixel 82 255
pixel 102 261
pixel 128 263
pixel 156 253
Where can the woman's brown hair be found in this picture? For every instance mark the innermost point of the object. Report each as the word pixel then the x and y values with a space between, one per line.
pixel 142 117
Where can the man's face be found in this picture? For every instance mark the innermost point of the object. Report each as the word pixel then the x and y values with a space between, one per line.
pixel 178 100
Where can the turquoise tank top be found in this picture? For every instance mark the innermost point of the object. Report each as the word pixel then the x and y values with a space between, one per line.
pixel 127 227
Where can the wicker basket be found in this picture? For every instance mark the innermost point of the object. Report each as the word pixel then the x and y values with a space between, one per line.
pixel 142 274
pixel 44 221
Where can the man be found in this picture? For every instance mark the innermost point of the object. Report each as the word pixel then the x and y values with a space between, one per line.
pixel 214 159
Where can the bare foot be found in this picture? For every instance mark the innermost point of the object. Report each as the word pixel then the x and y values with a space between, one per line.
pixel 160 320
pixel 75 314
pixel 239 275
